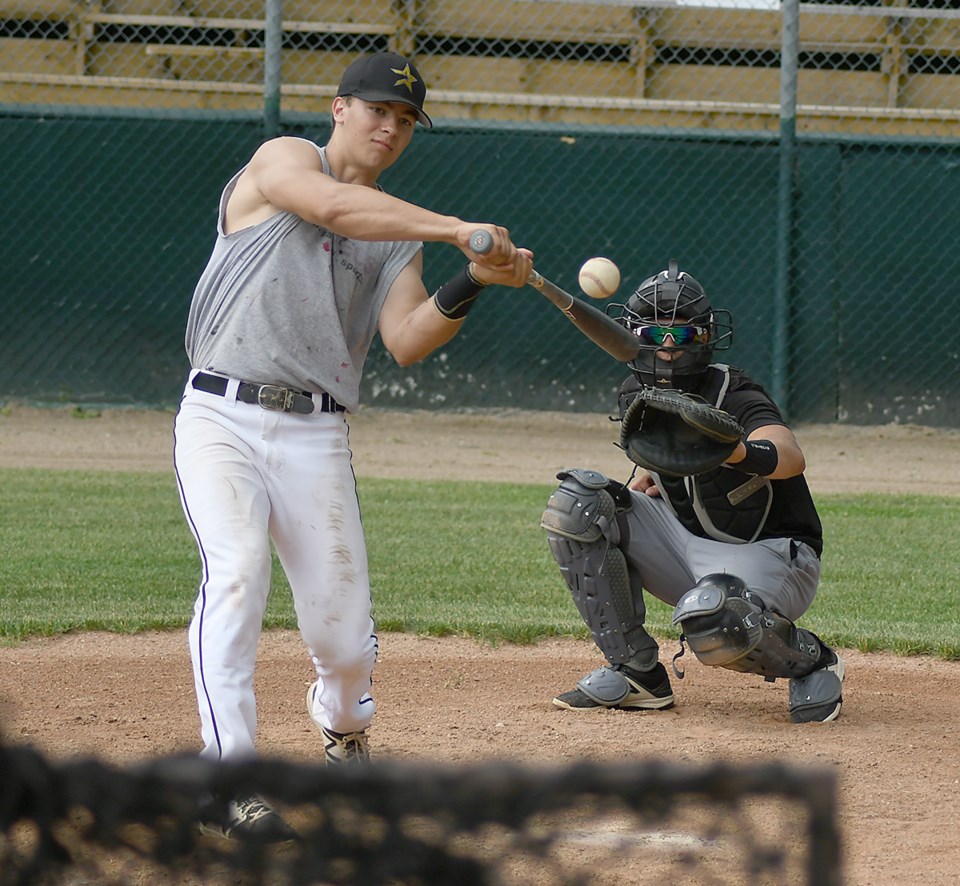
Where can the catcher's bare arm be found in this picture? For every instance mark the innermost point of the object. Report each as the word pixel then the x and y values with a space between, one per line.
pixel 643 482
pixel 790 460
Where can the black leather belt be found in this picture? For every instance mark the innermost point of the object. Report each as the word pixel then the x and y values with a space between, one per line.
pixel 269 396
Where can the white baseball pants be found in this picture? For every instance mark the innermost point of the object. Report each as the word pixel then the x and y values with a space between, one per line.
pixel 248 475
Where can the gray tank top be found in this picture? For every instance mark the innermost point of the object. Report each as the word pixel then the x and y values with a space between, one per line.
pixel 287 302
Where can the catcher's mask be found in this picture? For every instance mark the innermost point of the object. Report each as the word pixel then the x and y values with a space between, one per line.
pixel 672 303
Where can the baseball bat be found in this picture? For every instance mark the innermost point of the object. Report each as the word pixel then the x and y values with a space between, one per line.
pixel 618 341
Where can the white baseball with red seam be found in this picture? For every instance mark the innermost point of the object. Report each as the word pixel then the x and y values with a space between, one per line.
pixel 599 277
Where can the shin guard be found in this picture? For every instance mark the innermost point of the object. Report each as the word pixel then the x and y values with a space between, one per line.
pixel 582 531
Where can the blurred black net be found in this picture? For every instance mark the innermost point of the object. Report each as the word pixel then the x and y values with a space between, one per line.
pixel 81 821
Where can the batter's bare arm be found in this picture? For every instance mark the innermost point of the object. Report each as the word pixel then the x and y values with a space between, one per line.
pixel 286 174
pixel 412 325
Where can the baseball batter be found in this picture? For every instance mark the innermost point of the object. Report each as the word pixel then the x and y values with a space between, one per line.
pixel 311 260
pixel 735 548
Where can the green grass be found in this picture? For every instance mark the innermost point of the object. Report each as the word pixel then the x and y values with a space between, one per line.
pixel 891 573
pixel 111 551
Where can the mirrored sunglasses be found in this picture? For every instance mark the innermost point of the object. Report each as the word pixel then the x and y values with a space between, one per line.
pixel 681 335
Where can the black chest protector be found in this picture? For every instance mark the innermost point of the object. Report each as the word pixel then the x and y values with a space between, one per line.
pixel 724 504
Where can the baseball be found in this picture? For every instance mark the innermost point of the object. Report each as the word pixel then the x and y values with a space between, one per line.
pixel 599 277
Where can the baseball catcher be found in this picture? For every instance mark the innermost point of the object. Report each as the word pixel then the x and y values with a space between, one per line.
pixel 719 523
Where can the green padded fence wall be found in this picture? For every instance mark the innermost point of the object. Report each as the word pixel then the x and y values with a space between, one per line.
pixel 111 214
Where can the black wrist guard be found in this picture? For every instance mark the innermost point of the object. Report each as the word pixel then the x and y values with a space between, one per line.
pixel 761 458
pixel 455 298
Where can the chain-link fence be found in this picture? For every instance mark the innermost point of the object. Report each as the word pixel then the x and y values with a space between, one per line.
pixel 803 162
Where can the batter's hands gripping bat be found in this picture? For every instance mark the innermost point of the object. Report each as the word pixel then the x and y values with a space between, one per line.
pixel 618 341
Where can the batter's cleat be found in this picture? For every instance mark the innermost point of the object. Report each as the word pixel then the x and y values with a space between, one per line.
pixel 621 687
pixel 339 747
pixel 345 747
pixel 250 819
pixel 818 697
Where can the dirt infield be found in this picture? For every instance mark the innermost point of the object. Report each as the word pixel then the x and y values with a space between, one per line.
pixel 456 700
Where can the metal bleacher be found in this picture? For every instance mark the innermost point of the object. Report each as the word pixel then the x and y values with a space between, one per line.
pixel 864 69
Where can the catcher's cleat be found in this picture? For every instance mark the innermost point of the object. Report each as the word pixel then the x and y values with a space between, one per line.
pixel 250 818
pixel 339 747
pixel 817 697
pixel 620 687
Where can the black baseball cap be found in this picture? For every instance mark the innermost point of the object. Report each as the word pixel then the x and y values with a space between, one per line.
pixel 386 77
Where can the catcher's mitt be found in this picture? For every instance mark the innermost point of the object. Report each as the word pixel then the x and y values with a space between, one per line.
pixel 677 434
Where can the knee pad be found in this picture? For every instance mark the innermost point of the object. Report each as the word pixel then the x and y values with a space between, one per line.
pixel 582 507
pixel 728 626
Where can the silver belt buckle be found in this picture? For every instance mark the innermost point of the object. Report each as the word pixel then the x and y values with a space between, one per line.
pixel 276 398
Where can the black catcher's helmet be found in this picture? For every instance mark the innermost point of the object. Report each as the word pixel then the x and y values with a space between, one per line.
pixel 673 299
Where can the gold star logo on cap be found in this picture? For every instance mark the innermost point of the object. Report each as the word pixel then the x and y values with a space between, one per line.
pixel 406 78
